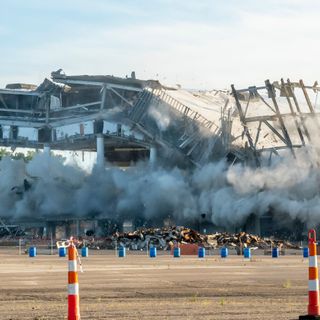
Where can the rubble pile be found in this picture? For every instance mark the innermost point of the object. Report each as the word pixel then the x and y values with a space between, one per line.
pixel 243 239
pixel 165 238
pixel 11 232
pixel 162 238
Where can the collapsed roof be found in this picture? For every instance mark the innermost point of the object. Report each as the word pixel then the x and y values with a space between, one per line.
pixel 199 126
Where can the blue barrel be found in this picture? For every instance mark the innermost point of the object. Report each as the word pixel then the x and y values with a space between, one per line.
pixel 176 252
pixel 62 251
pixel 224 252
pixel 275 252
pixel 32 252
pixel 122 252
pixel 153 252
pixel 305 252
pixel 201 252
pixel 84 252
pixel 247 253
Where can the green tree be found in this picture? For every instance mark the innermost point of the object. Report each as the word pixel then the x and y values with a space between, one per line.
pixel 26 157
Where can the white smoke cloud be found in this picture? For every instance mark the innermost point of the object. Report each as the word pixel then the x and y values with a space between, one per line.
pixel 161 114
pixel 227 194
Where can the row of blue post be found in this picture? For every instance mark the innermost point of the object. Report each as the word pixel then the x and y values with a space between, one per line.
pixel 153 252
pixel 62 251
pixel 224 252
pixel 176 252
pixel 275 252
pixel 122 252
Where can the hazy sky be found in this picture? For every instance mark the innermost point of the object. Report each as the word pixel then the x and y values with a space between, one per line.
pixel 196 43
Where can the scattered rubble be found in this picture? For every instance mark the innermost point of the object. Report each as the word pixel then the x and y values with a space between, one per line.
pixel 162 238
pixel 243 239
pixel 165 238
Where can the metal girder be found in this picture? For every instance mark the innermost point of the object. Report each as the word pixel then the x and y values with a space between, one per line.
pixel 99 84
pixel 306 96
pixel 19 111
pixel 27 123
pixel 315 86
pixel 103 97
pixel 19 92
pixel 73 141
pixel 274 149
pixel 5 226
pixel 246 110
pixel 120 86
pixel 287 95
pixel 245 90
pixel 284 115
pixel 275 132
pixel 3 102
pixel 121 97
pixel 141 105
pixel 75 119
pixel 78 106
pixel 286 90
pixel 283 127
pixel 258 134
pixel 244 123
pixel 266 103
pixel 290 87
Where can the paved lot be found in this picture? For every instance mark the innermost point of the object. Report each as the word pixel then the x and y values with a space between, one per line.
pixel 138 287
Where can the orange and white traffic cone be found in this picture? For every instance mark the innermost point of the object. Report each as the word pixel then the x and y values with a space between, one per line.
pixel 73 284
pixel 313 306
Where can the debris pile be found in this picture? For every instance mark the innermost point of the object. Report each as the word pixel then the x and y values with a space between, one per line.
pixel 165 238
pixel 243 239
pixel 11 232
pixel 162 238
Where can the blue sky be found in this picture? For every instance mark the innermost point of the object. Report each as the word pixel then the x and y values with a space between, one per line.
pixel 196 43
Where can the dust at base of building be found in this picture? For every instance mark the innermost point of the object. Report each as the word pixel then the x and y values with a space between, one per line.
pixel 270 224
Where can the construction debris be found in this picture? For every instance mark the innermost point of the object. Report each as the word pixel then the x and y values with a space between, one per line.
pixel 162 238
pixel 165 238
pixel 244 240
pixel 10 231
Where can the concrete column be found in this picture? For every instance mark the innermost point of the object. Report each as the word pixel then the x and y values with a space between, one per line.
pixel 51 230
pixel 45 232
pixel 78 227
pixel 100 151
pixel 68 230
pixel 46 149
pixel 257 225
pixel 153 156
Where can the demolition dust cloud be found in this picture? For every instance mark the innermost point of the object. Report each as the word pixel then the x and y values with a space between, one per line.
pixel 227 194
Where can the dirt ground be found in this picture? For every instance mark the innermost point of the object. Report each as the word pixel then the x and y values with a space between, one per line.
pixel 138 287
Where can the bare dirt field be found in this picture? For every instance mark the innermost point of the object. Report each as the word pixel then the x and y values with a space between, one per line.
pixel 138 287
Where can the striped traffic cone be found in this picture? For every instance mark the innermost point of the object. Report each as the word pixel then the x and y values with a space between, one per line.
pixel 73 285
pixel 313 306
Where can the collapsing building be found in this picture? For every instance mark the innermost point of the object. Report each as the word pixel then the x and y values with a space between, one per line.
pixel 126 120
